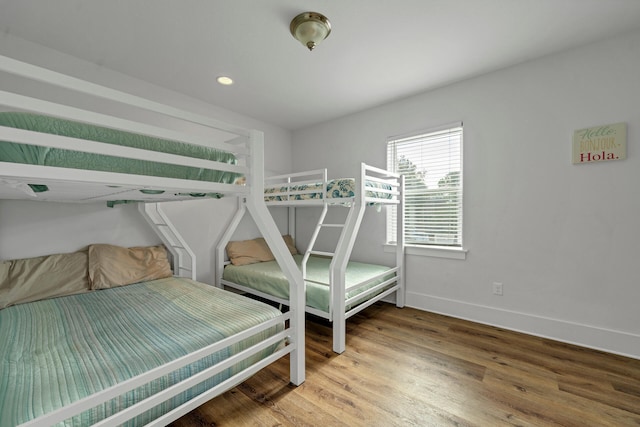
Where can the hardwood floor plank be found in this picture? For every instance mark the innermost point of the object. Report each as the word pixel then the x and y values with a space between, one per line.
pixel 232 408
pixel 628 385
pixel 544 398
pixel 450 339
pixel 278 401
pixel 405 367
pixel 599 393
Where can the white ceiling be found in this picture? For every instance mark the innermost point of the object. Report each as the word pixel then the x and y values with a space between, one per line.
pixel 378 51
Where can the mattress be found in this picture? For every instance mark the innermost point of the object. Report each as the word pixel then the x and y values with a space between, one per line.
pixel 59 350
pixel 46 156
pixel 336 188
pixel 267 277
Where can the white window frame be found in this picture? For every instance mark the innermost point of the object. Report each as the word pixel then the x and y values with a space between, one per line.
pixel 437 247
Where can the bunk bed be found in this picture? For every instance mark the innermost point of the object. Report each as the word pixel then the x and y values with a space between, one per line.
pixel 143 382
pixel 336 288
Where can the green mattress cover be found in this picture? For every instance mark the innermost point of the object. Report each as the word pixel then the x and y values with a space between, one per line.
pixel 59 350
pixel 267 277
pixel 45 156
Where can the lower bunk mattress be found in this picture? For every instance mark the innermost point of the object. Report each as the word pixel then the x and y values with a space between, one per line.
pixel 267 277
pixel 60 350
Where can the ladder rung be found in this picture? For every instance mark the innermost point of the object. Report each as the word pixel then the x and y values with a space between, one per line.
pixel 332 225
pixel 330 254
pixel 317 282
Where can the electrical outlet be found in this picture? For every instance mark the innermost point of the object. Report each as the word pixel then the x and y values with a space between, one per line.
pixel 497 288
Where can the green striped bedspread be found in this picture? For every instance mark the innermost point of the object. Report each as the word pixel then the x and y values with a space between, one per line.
pixel 59 350
pixel 336 188
pixel 267 277
pixel 45 156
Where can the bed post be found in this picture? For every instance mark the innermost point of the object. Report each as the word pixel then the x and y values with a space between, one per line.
pixel 400 293
pixel 292 222
pixel 267 226
pixel 224 239
pixel 338 270
pixel 339 263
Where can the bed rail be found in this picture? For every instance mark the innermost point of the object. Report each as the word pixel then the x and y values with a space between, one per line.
pixel 296 189
pixel 389 183
pixel 33 72
pixel 378 187
pixel 207 132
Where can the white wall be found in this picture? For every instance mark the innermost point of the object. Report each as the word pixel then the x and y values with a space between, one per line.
pixel 36 228
pixel 564 239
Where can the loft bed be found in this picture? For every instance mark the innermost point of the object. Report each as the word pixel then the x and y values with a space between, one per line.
pixel 125 390
pixel 336 288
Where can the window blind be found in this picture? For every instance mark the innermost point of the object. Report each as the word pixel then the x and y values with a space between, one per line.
pixel 432 165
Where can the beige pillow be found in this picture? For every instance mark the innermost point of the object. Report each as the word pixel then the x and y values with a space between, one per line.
pixel 290 244
pixel 49 276
pixel 245 252
pixel 4 271
pixel 111 266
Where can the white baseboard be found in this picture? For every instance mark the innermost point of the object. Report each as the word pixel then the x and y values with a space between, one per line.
pixel 611 341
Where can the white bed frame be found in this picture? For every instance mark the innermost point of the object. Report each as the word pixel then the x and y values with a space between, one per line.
pixel 73 185
pixel 356 206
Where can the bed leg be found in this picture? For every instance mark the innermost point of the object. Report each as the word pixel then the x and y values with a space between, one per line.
pixel 296 371
pixel 338 346
pixel 339 334
pixel 297 360
pixel 400 297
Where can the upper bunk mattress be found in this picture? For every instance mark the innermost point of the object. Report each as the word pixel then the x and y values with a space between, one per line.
pixel 336 189
pixel 267 277
pixel 59 350
pixel 46 156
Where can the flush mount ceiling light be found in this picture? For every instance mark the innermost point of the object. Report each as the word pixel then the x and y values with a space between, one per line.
pixel 224 80
pixel 310 28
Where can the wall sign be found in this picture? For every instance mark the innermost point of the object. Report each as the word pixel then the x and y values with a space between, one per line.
pixel 600 143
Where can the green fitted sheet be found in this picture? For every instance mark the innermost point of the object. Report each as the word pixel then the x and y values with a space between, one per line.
pixel 267 277
pixel 45 156
pixel 59 350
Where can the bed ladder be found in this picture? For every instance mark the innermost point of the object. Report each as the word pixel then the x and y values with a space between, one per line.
pixel 184 260
pixel 321 225
pixel 339 260
pixel 350 225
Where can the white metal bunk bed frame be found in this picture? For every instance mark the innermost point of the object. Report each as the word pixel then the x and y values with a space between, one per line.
pixel 365 189
pixel 248 145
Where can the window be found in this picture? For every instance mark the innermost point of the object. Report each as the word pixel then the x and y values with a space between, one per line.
pixel 432 165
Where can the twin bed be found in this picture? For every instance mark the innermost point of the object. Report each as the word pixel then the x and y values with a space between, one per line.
pixel 336 287
pixel 115 342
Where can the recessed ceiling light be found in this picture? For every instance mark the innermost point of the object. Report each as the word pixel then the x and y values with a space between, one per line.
pixel 224 80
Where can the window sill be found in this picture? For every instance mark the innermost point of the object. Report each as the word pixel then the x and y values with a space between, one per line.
pixel 430 251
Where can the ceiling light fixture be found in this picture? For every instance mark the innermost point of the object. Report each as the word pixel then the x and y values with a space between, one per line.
pixel 224 80
pixel 310 28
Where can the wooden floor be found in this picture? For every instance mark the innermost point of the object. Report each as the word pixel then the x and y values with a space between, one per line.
pixel 406 367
